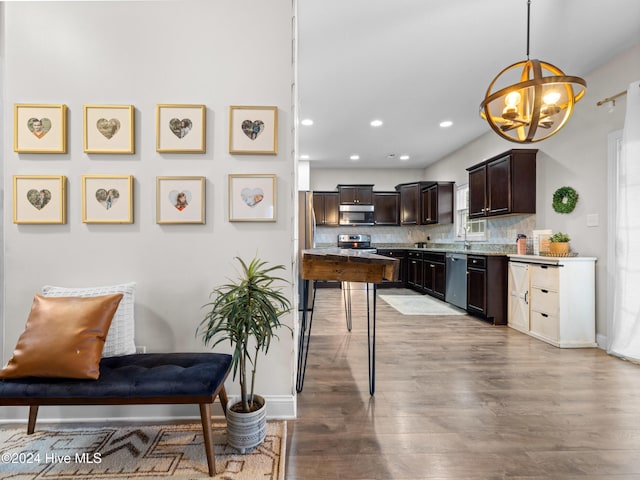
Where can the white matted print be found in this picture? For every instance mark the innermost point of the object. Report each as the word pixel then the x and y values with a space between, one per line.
pixel 107 198
pixel 39 128
pixel 252 198
pixel 39 199
pixel 253 130
pixel 181 128
pixel 109 129
pixel 180 200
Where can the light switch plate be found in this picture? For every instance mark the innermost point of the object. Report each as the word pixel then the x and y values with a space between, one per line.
pixel 593 220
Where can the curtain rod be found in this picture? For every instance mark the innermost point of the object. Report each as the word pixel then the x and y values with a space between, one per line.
pixel 611 98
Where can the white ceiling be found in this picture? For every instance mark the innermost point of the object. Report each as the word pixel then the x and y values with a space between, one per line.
pixel 415 63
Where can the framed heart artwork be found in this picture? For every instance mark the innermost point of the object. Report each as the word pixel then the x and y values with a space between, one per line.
pixel 39 128
pixel 180 200
pixel 252 198
pixel 109 129
pixel 181 128
pixel 253 130
pixel 40 199
pixel 107 198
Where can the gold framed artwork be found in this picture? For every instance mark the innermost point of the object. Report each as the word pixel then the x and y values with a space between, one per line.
pixel 108 129
pixel 39 128
pixel 181 128
pixel 180 200
pixel 39 199
pixel 252 198
pixel 253 130
pixel 107 198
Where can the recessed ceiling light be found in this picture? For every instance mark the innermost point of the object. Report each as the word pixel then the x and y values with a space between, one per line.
pixel 446 123
pixel 404 157
pixel 354 157
pixel 376 123
pixel 307 122
pixel 304 157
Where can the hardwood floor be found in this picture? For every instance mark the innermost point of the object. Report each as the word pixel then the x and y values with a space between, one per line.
pixel 457 398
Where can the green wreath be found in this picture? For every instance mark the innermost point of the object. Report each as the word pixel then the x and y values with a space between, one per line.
pixel 565 199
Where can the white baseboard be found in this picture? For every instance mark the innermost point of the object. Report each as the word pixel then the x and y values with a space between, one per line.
pixel 279 407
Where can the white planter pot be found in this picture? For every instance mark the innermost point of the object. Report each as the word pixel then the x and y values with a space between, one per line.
pixel 247 430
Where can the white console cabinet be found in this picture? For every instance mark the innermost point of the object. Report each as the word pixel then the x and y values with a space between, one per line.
pixel 553 299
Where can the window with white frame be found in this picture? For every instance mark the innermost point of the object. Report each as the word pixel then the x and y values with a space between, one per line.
pixel 470 229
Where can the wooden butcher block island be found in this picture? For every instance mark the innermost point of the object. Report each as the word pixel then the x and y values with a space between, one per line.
pixel 346 266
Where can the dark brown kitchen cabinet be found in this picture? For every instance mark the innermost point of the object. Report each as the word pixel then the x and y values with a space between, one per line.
pixel 487 287
pixel 356 194
pixel 434 274
pixel 325 207
pixel 426 203
pixel 409 203
pixel 402 274
pixel 386 208
pixel 414 270
pixel 504 184
pixel 437 203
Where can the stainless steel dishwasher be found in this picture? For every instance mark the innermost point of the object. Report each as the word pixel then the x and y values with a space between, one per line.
pixel 456 292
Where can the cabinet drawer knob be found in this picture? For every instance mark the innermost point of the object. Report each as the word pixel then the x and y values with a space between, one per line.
pixel 544 291
pixel 544 315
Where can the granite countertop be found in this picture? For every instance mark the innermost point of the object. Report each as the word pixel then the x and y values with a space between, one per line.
pixel 484 249
pixel 480 249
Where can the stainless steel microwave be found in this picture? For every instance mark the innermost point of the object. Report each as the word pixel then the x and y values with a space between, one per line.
pixel 356 215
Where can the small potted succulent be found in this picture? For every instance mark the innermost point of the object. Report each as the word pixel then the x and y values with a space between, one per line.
pixel 559 243
pixel 247 314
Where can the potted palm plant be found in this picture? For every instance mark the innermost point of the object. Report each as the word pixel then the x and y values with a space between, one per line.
pixel 247 314
pixel 559 243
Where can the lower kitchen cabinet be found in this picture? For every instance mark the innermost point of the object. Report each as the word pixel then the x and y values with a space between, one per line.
pixel 487 287
pixel 518 301
pixel 414 270
pixel 434 278
pixel 561 299
pixel 402 274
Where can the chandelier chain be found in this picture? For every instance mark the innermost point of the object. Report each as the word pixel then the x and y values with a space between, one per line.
pixel 528 24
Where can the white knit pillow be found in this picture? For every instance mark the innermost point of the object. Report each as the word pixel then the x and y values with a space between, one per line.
pixel 120 337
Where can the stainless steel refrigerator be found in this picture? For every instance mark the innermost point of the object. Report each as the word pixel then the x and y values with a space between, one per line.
pixel 306 235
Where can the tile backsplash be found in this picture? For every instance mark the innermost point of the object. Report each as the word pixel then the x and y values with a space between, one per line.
pixel 501 231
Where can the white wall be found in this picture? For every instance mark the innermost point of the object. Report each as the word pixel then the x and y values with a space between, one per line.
pixel 217 53
pixel 577 157
pixel 383 179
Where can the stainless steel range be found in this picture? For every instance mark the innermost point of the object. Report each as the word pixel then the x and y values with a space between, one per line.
pixel 362 243
pixel 358 242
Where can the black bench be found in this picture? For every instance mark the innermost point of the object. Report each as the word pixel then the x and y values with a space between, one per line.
pixel 139 379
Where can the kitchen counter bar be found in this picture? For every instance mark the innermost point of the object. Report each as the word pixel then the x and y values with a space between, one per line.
pixel 345 265
pixel 348 265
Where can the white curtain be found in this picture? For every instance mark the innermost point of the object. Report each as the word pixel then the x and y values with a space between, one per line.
pixel 624 337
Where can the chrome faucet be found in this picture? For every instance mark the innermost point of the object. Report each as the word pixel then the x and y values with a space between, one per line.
pixel 467 244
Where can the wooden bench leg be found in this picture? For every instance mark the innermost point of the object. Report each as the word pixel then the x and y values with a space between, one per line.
pixel 207 431
pixel 33 414
pixel 222 395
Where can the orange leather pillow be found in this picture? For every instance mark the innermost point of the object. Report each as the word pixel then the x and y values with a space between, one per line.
pixel 64 337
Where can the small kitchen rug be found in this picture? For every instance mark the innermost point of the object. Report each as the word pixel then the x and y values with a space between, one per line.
pixel 136 452
pixel 420 305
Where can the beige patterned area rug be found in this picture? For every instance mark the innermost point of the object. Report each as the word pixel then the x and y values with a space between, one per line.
pixel 420 305
pixel 130 452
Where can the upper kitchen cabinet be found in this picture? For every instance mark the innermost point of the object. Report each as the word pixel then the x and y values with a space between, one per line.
pixel 504 184
pixel 386 208
pixel 325 208
pixel 425 203
pixel 409 203
pixel 437 203
pixel 355 194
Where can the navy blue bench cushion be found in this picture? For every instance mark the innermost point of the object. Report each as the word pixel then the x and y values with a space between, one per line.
pixel 132 376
